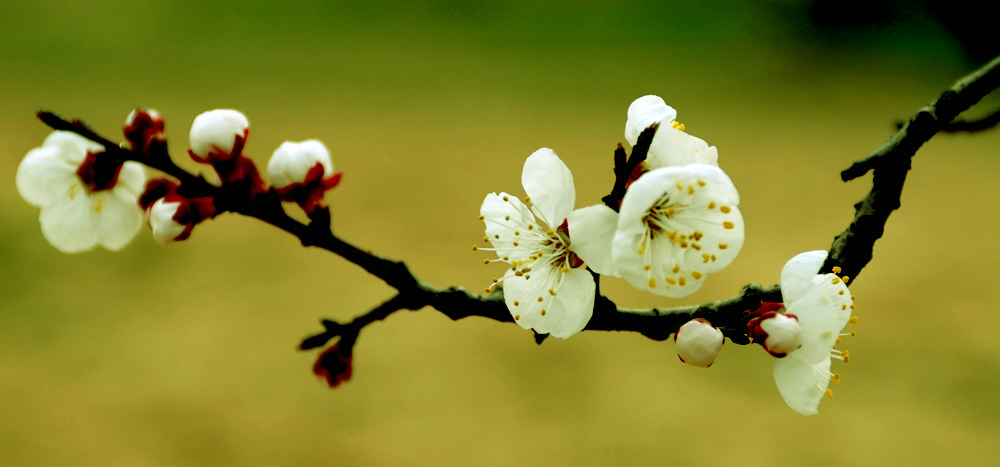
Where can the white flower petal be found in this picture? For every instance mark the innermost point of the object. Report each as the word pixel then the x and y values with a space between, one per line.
pixel 819 317
pixel 71 147
pixel 802 384
pixel 644 112
pixel 509 221
pixel 72 225
pixel 673 147
pixel 591 231
pixel 44 178
pixel 670 254
pixel 120 217
pixel 549 185
pixel 799 272
pixel 132 178
pixel 566 312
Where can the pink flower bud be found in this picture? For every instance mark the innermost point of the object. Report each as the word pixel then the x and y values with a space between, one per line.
pixel 778 333
pixel 698 343
pixel 218 135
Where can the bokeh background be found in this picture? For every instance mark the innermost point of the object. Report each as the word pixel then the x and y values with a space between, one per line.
pixel 186 354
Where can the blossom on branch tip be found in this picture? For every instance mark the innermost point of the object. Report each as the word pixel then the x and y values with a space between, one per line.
pixel 822 305
pixel 144 129
pixel 698 343
pixel 548 288
pixel 87 197
pixel 671 146
pixel 218 135
pixel 677 225
pixel 302 172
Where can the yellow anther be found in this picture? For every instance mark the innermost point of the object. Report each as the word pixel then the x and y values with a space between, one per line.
pixel 853 320
pixel 552 292
pixel 496 236
pixel 696 275
pixel 854 333
pixel 696 246
pixel 676 269
pixel 487 290
pixel 486 239
pixel 517 233
pixel 486 261
pixel 728 224
pixel 682 280
pixel 840 292
pixel 648 267
pixel 680 186
pixel 671 281
pixel 516 303
pixel 677 125
pixel 705 257
pixel 835 378
pixel 711 205
pixel 550 232
pixel 684 244
pixel 540 299
pixel 506 198
pixel 506 218
pixel 853 297
pixel 701 182
pixel 846 278
pixel 527 276
pixel 835 280
pixel 723 246
pixel 527 199
pixel 506 258
pixel 690 189
pixel 475 247
pixel 839 341
pixel 836 269
pixel 495 280
pixel 482 217
pixel 517 317
pixel 516 244
pixel 669 211
pixel 843 307
pixel 829 393
pixel 713 258
pixel 565 268
pixel 531 226
pixel 725 209
pixel 642 249
pixel 543 313
pixel 852 306
pixel 652 283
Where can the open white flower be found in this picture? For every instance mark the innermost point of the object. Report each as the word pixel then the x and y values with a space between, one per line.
pixel 823 305
pixel 548 287
pixel 85 201
pixel 676 225
pixel 671 145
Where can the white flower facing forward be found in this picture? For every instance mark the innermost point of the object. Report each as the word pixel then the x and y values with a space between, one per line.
pixel 547 287
pixel 218 135
pixel 676 225
pixel 86 200
pixel 671 146
pixel 823 305
pixel 698 343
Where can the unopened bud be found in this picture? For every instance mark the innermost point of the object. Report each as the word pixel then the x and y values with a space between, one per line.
pixel 219 134
pixel 295 163
pixel 698 343
pixel 161 219
pixel 778 333
pixel 143 129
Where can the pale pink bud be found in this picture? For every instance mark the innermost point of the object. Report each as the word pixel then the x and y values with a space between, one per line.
pixel 292 162
pixel 219 134
pixel 698 343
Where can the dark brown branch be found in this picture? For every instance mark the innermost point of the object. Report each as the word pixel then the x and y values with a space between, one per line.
pixel 624 169
pixel 971 126
pixel 852 250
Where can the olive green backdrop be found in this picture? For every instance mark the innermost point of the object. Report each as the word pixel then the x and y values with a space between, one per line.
pixel 186 354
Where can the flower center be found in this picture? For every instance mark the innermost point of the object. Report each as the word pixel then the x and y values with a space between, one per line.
pixel 99 173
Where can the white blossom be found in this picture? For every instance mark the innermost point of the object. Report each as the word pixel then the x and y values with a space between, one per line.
pixel 161 220
pixel 547 287
pixel 83 203
pixel 671 145
pixel 675 226
pixel 822 305
pixel 292 162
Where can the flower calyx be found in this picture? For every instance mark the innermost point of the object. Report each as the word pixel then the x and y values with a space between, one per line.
pixel 217 138
pixel 170 215
pixel 144 130
pixel 335 364
pixel 302 173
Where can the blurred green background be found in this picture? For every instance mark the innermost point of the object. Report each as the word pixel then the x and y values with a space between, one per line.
pixel 186 354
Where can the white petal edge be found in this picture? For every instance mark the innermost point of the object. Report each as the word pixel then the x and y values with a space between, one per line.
pixel 644 112
pixel 119 219
pixel 799 272
pixel 549 185
pixel 566 313
pixel 673 147
pixel 591 231
pixel 802 385
pixel 70 226
pixel 44 178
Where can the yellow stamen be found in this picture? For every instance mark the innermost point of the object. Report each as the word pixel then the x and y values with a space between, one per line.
pixel 723 246
pixel 853 320
pixel 652 283
pixel 543 313
pixel 829 393
pixel 682 281
pixel 671 281
pixel 711 205
pixel 728 224
pixel 725 209
pixel 517 317
pixel 696 275
pixel 836 269
pixel 701 182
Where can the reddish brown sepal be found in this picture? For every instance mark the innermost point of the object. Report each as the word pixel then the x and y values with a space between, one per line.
pixel 99 173
pixel 333 366
pixel 144 130
pixel 309 194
